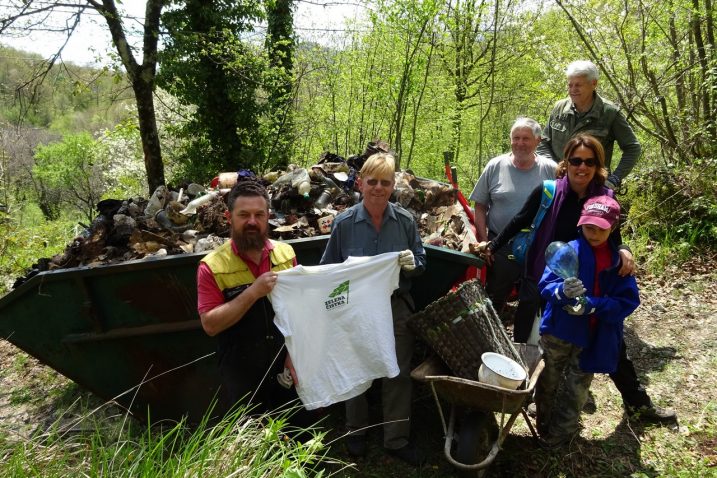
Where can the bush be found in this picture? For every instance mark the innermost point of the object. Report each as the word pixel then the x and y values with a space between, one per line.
pixel 26 236
pixel 673 212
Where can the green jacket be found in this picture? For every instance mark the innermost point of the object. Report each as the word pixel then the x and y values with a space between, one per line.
pixel 604 121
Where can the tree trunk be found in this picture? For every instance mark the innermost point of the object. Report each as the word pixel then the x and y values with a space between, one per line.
pixel 142 78
pixel 417 106
pixel 153 165
pixel 280 45
pixel 705 96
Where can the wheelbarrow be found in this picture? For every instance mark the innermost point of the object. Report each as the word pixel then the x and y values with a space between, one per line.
pixel 475 405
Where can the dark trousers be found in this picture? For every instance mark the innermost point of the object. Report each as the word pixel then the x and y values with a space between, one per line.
pixel 528 307
pixel 625 379
pixel 396 391
pixel 502 276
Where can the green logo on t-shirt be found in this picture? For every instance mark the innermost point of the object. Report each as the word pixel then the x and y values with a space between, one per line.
pixel 339 296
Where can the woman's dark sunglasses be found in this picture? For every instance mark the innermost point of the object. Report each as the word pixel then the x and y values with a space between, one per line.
pixel 384 182
pixel 590 162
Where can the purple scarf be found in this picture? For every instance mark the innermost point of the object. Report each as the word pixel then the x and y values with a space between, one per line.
pixel 546 231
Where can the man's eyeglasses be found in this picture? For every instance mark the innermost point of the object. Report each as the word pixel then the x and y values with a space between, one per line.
pixel 590 162
pixel 384 182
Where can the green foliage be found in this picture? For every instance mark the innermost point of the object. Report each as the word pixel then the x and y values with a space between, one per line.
pixel 280 47
pixel 657 60
pixel 74 167
pixel 209 63
pixel 395 78
pixel 70 99
pixel 26 236
pixel 673 211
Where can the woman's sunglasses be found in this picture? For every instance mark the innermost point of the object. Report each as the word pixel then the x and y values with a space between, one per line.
pixel 590 162
pixel 384 182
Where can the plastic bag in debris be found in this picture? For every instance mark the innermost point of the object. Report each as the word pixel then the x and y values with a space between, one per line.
pixel 157 201
pixel 403 191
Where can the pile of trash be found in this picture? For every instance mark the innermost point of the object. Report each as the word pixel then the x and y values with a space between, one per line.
pixel 304 202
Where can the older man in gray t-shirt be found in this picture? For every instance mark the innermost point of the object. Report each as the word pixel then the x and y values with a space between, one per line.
pixel 503 187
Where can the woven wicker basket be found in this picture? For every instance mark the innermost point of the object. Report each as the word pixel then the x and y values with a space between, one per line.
pixel 461 326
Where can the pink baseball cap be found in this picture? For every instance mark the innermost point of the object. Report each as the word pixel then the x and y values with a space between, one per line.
pixel 600 211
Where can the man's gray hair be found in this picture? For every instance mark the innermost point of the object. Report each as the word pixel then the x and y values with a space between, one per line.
pixel 528 123
pixel 582 68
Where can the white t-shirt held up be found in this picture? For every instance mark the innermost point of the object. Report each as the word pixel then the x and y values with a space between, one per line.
pixel 338 325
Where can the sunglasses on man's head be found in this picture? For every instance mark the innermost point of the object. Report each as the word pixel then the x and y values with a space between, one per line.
pixel 590 162
pixel 384 182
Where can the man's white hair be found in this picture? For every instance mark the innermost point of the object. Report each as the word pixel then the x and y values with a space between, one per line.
pixel 528 123
pixel 582 68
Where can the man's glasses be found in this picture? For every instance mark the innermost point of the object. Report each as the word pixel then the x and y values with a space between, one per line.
pixel 384 182
pixel 590 162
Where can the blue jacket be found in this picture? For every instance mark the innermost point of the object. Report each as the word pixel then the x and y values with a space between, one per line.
pixel 619 298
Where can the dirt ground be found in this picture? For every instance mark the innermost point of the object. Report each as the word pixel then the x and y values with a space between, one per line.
pixel 672 338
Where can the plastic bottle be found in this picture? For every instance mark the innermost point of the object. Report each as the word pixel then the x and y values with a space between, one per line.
pixel 304 187
pixel 157 201
pixel 294 177
pixel 200 201
pixel 300 175
pixel 284 179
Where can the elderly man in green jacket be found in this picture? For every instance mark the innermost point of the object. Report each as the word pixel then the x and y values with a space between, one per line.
pixel 587 112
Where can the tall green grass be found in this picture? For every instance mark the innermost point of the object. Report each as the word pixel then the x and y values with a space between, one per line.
pixel 240 445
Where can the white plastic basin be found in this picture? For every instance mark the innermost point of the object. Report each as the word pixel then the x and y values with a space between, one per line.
pixel 501 371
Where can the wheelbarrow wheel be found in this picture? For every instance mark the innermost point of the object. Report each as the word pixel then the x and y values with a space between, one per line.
pixel 476 434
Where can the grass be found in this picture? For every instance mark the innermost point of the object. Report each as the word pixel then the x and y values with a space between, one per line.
pixel 242 444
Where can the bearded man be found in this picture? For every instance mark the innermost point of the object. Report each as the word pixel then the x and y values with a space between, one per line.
pixel 233 282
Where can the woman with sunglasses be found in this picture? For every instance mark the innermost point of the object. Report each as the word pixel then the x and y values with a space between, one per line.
pixel 580 175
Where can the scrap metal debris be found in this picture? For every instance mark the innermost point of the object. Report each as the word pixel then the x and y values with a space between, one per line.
pixel 304 202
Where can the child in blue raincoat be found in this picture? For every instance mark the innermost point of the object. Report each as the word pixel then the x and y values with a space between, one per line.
pixel 582 325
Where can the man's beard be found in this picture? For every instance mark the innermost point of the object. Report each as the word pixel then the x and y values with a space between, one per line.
pixel 252 241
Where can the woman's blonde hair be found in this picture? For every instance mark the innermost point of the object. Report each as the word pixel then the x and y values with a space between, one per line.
pixel 379 165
